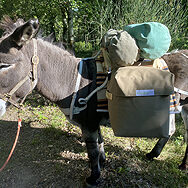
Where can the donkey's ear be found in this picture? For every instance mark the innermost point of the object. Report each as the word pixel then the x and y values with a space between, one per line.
pixel 25 32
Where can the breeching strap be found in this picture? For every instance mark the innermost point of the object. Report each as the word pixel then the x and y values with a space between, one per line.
pixel 14 145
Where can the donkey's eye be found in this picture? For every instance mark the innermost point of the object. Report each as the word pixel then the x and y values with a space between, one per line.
pixel 4 66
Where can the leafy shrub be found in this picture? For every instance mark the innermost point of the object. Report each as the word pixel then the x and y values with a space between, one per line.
pixel 83 49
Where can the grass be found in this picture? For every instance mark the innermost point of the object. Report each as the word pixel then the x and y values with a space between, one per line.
pixel 126 165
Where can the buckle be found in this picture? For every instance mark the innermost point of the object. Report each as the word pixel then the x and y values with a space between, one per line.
pixel 35 60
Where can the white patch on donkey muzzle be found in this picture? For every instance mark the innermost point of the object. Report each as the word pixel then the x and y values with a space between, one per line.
pixel 2 107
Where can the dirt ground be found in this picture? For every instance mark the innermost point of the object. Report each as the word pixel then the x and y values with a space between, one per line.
pixel 48 157
pixel 39 159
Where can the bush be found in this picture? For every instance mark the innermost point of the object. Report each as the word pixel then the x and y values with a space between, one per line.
pixel 180 43
pixel 172 13
pixel 83 49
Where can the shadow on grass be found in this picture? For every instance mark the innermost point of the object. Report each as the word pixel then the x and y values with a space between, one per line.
pixel 49 157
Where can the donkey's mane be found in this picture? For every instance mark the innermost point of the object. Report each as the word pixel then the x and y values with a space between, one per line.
pixel 8 25
pixel 51 39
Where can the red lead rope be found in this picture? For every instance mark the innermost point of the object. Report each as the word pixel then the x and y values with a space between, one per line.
pixel 14 145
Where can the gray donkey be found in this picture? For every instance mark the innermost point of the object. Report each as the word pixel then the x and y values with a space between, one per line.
pixel 27 63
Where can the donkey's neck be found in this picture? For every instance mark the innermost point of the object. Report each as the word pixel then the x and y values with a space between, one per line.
pixel 57 71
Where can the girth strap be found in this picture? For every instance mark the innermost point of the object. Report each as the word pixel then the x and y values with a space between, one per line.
pixel 83 101
pixel 76 89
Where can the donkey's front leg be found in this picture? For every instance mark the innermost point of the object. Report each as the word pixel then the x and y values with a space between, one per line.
pixel 91 140
pixel 102 156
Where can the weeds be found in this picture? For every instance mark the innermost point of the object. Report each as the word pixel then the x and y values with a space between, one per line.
pixel 126 165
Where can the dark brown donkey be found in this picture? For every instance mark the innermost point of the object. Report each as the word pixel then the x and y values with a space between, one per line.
pixel 27 64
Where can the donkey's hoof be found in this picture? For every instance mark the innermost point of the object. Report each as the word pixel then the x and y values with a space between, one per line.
pixel 149 156
pixel 91 182
pixel 87 185
pixel 183 167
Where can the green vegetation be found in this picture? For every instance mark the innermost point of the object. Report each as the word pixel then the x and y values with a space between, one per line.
pixel 126 163
pixel 78 22
pixel 80 25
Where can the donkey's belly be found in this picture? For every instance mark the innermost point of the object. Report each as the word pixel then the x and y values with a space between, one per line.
pixel 66 112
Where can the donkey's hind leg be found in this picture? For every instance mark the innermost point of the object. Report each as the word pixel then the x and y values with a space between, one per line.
pixel 184 164
pixel 157 148
pixel 102 157
pixel 184 113
pixel 162 141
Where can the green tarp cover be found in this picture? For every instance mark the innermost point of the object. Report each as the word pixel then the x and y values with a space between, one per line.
pixel 152 38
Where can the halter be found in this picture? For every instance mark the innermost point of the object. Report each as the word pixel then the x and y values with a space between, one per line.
pixel 32 76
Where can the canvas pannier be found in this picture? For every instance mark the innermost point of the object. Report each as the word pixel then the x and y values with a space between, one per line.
pixel 119 49
pixel 138 101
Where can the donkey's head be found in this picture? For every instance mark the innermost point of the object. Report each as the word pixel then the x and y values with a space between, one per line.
pixel 15 59
pixel 17 34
